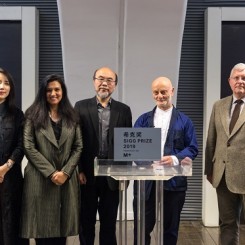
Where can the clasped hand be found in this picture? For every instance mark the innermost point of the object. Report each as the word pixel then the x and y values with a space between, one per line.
pixel 59 178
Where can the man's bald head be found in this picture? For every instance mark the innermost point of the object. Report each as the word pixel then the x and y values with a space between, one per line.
pixel 162 92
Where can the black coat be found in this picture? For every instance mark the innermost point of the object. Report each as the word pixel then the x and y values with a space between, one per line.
pixel 11 147
pixel 120 117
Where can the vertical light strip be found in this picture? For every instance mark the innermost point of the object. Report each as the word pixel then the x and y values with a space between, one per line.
pixel 121 42
pixel 29 22
pixel 30 58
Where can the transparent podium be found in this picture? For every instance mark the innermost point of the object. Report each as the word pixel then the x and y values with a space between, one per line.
pixel 140 171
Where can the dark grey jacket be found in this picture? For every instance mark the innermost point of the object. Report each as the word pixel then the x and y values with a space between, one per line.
pixel 50 210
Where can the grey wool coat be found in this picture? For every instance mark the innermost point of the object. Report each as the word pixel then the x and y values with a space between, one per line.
pixel 49 210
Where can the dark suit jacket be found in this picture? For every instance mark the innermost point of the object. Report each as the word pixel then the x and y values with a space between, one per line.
pixel 120 117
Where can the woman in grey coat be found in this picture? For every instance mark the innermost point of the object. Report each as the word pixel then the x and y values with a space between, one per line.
pixel 52 144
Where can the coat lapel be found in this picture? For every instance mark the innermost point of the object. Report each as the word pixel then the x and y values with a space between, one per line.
pixel 113 116
pixel 93 113
pixel 239 123
pixel 49 134
pixel 64 134
pixel 225 114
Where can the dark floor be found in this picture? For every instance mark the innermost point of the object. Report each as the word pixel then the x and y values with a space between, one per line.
pixel 190 233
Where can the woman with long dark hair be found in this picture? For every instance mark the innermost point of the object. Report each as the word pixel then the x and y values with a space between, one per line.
pixel 11 155
pixel 52 144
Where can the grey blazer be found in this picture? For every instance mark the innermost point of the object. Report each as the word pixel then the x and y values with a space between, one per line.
pixel 225 152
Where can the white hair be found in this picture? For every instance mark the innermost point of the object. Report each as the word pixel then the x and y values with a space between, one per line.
pixel 238 67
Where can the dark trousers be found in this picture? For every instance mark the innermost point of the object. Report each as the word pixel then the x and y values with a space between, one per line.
pixel 10 208
pixel 101 198
pixel 17 241
pixel 173 204
pixel 230 206
pixel 51 241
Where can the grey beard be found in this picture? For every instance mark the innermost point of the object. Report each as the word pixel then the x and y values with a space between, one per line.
pixel 103 95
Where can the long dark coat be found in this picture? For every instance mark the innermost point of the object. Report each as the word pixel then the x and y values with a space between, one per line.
pixel 11 147
pixel 50 210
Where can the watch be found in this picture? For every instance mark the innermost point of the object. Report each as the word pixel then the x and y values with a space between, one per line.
pixel 9 164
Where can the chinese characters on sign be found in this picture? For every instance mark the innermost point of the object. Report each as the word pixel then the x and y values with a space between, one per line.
pixel 132 144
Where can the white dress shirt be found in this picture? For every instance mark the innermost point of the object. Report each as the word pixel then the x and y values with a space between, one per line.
pixel 162 120
pixel 234 104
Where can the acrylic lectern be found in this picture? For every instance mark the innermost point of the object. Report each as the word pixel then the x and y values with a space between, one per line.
pixel 140 171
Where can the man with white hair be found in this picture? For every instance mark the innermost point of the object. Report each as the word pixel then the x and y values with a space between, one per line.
pixel 225 156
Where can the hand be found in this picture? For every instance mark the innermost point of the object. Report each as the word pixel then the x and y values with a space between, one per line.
pixel 210 178
pixel 186 161
pixel 167 160
pixel 3 170
pixel 82 178
pixel 59 178
pixel 1 179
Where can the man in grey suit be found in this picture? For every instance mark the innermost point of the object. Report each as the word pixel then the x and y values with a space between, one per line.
pixel 99 116
pixel 225 156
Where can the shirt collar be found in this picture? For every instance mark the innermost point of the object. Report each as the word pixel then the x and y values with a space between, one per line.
pixel 235 99
pixel 160 111
pixel 99 104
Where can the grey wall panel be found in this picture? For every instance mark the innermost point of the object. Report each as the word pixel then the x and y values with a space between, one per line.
pixel 50 54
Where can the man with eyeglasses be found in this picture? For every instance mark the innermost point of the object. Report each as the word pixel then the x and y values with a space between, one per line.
pixel 225 156
pixel 99 116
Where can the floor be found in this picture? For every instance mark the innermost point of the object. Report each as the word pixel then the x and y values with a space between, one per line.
pixel 190 233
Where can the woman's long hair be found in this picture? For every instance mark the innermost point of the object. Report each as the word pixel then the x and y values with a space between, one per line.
pixel 38 112
pixel 10 100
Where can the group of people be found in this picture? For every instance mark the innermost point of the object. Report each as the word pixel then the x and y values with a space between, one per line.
pixel 45 204
pixel 59 195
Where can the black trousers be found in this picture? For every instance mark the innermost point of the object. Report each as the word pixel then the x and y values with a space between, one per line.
pixel 101 198
pixel 173 204
pixel 51 241
pixel 10 210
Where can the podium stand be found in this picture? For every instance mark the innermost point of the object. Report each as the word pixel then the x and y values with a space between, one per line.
pixel 142 171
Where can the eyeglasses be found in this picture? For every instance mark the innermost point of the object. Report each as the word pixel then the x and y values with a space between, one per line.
pixel 109 81
pixel 237 78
